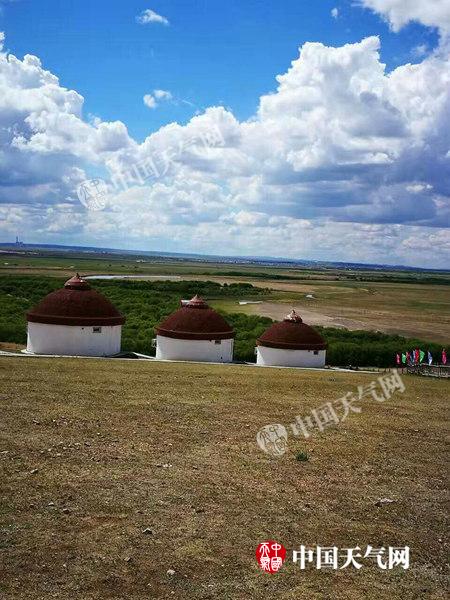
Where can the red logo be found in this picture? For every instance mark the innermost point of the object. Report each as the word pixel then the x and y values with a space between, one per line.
pixel 270 556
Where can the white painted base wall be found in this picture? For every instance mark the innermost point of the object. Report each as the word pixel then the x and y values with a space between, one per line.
pixel 289 358
pixel 196 350
pixel 73 340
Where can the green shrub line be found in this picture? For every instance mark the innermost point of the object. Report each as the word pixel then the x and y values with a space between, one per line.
pixel 146 303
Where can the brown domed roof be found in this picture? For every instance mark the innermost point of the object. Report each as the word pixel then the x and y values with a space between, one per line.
pixel 75 304
pixel 292 334
pixel 195 321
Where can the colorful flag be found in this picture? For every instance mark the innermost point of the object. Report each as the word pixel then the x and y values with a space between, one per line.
pixel 421 355
pixel 430 358
pixel 444 356
pixel 403 358
pixel 397 358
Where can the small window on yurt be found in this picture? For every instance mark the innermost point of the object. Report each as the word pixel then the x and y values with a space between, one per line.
pixel 96 330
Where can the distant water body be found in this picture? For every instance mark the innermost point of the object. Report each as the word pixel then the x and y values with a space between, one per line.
pixel 161 277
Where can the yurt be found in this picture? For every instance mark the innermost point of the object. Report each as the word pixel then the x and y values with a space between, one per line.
pixel 75 320
pixel 195 332
pixel 291 343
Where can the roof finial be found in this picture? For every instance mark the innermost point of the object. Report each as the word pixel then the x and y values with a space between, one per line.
pixel 293 316
pixel 197 302
pixel 77 283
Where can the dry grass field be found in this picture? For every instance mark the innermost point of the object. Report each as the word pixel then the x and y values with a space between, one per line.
pixel 95 452
pixel 421 311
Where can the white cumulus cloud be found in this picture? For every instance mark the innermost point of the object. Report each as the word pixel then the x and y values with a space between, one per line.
pixel 162 94
pixel 398 13
pixel 150 101
pixel 154 99
pixel 150 16
pixel 342 159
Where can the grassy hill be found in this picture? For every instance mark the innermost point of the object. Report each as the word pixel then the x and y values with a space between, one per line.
pixel 94 452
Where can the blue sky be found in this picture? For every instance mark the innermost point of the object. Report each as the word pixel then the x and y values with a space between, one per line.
pixel 333 158
pixel 213 52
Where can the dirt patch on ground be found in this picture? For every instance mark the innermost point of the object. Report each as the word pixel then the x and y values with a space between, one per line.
pixel 278 311
pixel 11 347
pixel 412 311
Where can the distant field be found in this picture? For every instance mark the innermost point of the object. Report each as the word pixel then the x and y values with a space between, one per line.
pixel 63 263
pixel 412 304
pixel 82 453
pixel 146 303
pixel 411 310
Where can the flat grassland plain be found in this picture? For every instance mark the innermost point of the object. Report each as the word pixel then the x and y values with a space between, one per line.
pixel 408 303
pixel 406 309
pixel 94 452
